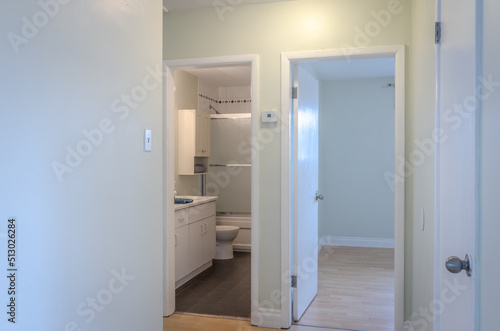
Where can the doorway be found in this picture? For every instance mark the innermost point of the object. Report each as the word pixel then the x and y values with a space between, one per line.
pixel 169 165
pixel 290 237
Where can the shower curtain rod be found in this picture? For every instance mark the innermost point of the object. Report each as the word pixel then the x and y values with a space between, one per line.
pixel 230 116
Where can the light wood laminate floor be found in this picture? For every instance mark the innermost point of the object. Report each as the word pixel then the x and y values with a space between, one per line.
pixel 356 289
pixel 356 292
pixel 181 322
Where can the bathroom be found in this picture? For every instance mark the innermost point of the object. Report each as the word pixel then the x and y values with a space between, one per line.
pixel 217 100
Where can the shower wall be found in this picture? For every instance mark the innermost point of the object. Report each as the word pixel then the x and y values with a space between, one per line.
pixel 230 145
pixel 235 99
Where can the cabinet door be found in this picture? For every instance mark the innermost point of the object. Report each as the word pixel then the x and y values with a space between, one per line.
pixel 182 263
pixel 196 231
pixel 209 239
pixel 202 134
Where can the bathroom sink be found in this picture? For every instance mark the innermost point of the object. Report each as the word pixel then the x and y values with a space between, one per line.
pixel 181 201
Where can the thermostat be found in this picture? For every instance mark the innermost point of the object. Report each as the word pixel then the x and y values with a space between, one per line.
pixel 270 116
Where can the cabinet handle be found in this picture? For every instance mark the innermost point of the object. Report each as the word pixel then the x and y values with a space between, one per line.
pixel 182 220
pixel 202 228
pixel 176 239
pixel 205 227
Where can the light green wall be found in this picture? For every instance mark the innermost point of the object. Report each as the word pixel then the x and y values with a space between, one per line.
pixel 268 30
pixel 82 81
pixel 356 149
pixel 489 246
pixel 420 245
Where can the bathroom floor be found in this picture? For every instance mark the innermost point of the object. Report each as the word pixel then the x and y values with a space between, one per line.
pixel 223 289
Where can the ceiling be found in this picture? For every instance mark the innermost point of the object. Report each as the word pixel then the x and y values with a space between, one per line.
pixel 172 5
pixel 223 76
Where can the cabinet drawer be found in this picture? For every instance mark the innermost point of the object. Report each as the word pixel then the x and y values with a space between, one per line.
pixel 181 217
pixel 200 212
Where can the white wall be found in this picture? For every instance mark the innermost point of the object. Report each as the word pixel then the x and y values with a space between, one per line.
pixel 186 97
pixel 268 30
pixel 356 149
pixel 80 234
pixel 490 179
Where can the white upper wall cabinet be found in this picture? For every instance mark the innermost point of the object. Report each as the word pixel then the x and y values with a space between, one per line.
pixel 202 132
pixel 194 141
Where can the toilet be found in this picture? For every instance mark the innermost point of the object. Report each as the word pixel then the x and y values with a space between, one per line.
pixel 224 235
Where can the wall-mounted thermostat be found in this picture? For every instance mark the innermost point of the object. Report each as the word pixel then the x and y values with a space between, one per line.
pixel 270 116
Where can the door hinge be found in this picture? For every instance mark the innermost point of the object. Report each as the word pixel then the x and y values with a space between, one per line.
pixel 437 32
pixel 294 92
pixel 294 281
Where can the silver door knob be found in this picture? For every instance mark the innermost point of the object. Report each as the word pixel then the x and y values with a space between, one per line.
pixel 319 196
pixel 455 265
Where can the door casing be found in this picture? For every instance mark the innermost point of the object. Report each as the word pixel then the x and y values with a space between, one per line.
pixel 288 59
pixel 168 169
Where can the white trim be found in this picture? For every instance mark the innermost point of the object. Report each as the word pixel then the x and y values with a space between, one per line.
pixel 357 242
pixel 271 318
pixel 398 52
pixel 168 160
pixel 437 169
pixel 168 193
pixel 286 163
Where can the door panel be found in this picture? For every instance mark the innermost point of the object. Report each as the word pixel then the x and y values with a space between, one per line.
pixel 457 161
pixel 305 251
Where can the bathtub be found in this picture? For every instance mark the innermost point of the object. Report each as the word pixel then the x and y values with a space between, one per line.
pixel 243 242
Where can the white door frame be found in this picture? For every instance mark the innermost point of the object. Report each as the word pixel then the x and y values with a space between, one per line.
pixel 168 169
pixel 398 52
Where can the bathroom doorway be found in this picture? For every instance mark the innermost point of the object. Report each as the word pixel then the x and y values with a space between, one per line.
pixel 224 94
pixel 226 91
pixel 334 249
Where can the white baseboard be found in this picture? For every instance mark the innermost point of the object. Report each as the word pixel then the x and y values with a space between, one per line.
pixel 356 242
pixel 267 318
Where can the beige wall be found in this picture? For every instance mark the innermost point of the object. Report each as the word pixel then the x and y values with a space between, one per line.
pixel 268 30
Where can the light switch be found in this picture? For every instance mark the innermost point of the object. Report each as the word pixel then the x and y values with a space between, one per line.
pixel 147 140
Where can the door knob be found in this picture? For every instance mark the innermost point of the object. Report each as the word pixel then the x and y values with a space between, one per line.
pixel 319 196
pixel 455 265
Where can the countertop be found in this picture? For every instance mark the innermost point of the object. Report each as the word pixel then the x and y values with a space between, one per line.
pixel 197 200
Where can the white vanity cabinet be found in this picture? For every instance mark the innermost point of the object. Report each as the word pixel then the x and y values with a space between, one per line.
pixel 182 265
pixel 194 240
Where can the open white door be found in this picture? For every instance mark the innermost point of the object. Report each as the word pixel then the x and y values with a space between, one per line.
pixel 457 184
pixel 305 210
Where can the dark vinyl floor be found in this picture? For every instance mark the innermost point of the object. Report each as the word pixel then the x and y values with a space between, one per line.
pixel 223 289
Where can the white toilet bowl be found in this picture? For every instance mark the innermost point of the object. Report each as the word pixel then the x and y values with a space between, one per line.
pixel 224 235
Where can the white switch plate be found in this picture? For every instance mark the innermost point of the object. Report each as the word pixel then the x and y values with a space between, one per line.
pixel 147 140
pixel 422 219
